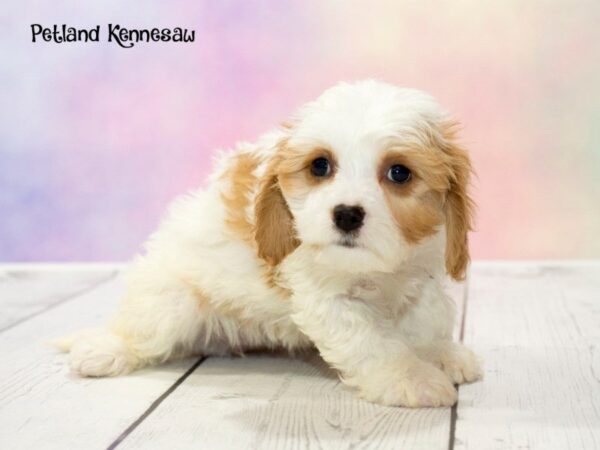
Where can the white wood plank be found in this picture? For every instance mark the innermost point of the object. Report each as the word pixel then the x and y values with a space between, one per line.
pixel 27 292
pixel 43 406
pixel 269 401
pixel 538 330
pixel 266 401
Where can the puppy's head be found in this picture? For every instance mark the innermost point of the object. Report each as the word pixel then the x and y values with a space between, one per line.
pixel 367 175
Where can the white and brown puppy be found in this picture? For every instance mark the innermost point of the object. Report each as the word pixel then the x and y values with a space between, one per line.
pixel 336 231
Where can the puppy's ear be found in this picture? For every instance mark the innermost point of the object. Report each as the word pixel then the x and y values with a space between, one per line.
pixel 274 228
pixel 459 206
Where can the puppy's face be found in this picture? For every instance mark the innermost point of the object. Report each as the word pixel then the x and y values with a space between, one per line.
pixel 367 174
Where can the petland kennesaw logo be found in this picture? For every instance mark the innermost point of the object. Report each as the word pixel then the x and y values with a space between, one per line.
pixel 124 37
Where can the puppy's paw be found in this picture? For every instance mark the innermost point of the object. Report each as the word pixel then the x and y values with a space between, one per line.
pixel 421 385
pixel 101 355
pixel 460 364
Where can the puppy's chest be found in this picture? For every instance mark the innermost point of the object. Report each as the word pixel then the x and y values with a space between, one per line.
pixel 364 289
pixel 387 293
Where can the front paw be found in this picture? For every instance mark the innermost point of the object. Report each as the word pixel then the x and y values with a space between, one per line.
pixel 417 386
pixel 460 364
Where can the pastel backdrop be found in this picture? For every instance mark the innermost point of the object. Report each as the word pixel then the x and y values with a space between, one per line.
pixel 95 140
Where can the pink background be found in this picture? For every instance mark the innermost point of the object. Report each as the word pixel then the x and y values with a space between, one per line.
pixel 95 140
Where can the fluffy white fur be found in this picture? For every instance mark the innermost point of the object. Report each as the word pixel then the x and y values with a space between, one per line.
pixel 377 311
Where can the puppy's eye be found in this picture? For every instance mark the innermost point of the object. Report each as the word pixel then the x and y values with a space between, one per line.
pixel 320 167
pixel 399 174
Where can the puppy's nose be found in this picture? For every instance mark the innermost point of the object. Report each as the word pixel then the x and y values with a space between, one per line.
pixel 348 218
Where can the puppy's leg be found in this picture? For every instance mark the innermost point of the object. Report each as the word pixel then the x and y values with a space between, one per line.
pixel 430 323
pixel 456 360
pixel 364 345
pixel 97 352
pixel 161 317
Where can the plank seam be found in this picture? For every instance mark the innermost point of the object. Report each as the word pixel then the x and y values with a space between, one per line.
pixel 461 337
pixel 63 300
pixel 155 404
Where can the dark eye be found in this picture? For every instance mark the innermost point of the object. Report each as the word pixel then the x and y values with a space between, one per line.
pixel 320 167
pixel 399 173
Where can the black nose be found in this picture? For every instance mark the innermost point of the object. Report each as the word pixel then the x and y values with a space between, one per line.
pixel 348 218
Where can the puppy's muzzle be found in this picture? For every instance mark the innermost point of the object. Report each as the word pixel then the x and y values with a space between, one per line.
pixel 348 218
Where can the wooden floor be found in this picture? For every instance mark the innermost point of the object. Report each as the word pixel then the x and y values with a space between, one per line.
pixel 537 327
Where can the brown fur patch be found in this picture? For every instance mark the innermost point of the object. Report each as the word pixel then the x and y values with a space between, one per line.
pixel 427 164
pixel 237 199
pixel 274 229
pixel 242 182
pixel 459 206
pixel 295 166
pixel 272 278
pixel 417 204
pixel 290 171
pixel 417 217
pixel 437 193
pixel 294 170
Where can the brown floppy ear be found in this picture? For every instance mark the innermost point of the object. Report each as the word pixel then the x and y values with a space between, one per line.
pixel 459 208
pixel 274 228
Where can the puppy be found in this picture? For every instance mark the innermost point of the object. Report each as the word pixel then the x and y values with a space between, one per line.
pixel 335 231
